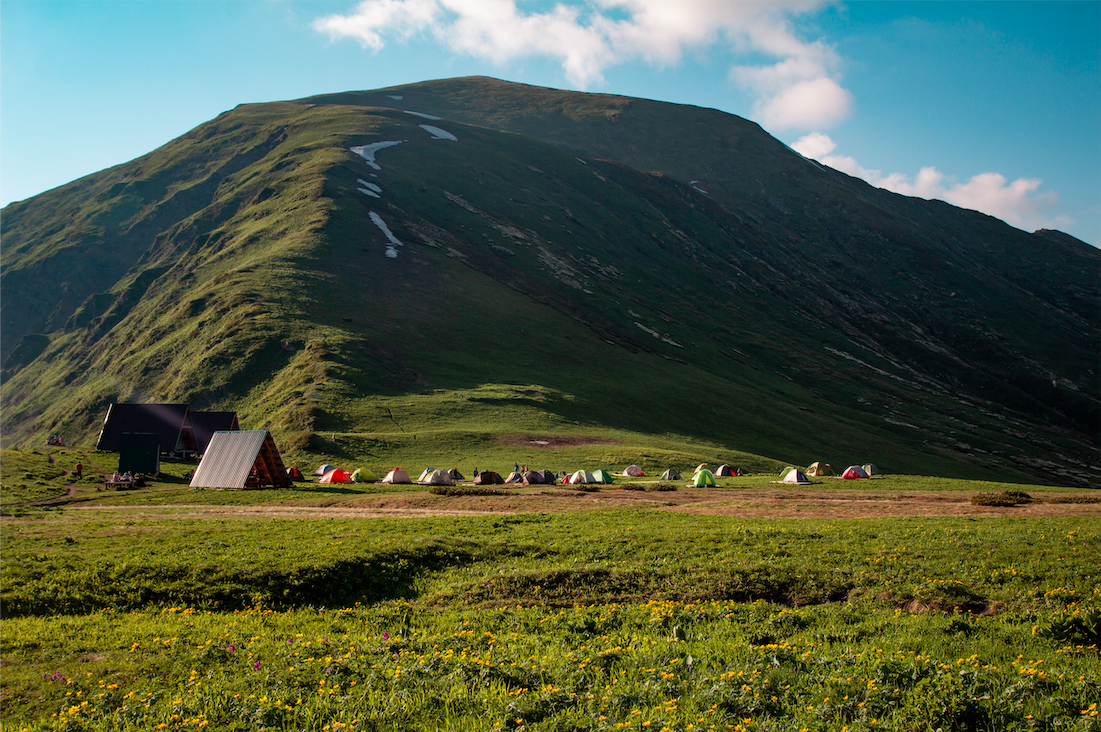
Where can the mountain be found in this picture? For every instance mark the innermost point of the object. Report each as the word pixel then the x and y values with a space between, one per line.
pixel 603 260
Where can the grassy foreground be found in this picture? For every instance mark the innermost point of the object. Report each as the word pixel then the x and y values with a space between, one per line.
pixel 601 620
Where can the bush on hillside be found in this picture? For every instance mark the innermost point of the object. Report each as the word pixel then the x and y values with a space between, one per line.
pixel 1005 498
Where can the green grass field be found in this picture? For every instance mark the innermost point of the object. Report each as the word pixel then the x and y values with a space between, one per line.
pixel 180 609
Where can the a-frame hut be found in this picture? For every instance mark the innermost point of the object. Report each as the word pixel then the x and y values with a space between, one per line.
pixel 246 459
pixel 205 424
pixel 171 421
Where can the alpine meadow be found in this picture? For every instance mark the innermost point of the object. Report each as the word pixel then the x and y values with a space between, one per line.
pixel 477 274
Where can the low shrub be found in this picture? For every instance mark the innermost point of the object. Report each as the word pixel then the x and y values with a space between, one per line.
pixel 1005 498
pixel 653 487
pixel 465 490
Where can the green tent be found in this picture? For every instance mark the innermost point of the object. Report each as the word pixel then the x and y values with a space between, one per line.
pixel 602 476
pixel 785 471
pixel 670 474
pixel 363 476
pixel 703 477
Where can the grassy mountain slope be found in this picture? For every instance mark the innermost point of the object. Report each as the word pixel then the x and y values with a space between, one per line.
pixel 243 266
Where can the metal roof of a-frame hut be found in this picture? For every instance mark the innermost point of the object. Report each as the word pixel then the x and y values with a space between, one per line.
pixel 205 424
pixel 171 421
pixel 231 457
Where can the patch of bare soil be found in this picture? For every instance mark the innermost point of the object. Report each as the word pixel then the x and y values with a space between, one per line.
pixel 551 442
pixel 737 502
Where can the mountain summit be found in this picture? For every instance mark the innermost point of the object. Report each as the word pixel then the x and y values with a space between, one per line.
pixel 641 265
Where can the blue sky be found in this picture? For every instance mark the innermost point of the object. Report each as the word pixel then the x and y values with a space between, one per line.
pixel 988 105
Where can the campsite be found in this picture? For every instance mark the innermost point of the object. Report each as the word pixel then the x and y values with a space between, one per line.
pixel 643 603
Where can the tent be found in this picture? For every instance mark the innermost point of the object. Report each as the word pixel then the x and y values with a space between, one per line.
pixel 533 476
pixel 488 477
pixel 797 477
pixel 363 476
pixel 336 475
pixel 425 474
pixel 241 459
pixel 515 477
pixel 437 477
pixel 671 474
pixel 322 469
pixel 397 475
pixel 602 476
pixel 853 472
pixel 633 471
pixel 785 471
pixel 455 474
pixel 548 477
pixel 701 466
pixel 294 473
pixel 817 469
pixel 703 477
pixel 726 470
pixel 871 469
pixel 582 476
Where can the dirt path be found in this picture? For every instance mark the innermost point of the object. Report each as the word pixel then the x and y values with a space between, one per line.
pixel 740 502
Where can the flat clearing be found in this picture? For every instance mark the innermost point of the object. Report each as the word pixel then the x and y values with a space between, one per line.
pixel 810 502
pixel 553 442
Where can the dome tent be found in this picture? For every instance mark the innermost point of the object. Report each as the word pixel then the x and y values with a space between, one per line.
pixel 703 478
pixel 397 475
pixel 336 475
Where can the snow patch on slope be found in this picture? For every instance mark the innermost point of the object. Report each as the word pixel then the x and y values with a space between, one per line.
pixel 391 249
pixel 438 134
pixel 367 152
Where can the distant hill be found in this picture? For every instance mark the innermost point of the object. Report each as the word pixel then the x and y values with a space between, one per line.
pixel 647 266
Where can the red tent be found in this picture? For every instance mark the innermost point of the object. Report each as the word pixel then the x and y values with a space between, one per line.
pixel 854 471
pixel 336 475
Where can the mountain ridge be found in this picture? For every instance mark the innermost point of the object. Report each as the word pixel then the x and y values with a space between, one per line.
pixel 253 225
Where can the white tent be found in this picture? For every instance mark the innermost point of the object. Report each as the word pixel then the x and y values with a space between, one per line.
pixel 436 477
pixel 397 475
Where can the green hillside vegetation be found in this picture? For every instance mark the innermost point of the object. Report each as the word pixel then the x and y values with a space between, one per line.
pixel 559 272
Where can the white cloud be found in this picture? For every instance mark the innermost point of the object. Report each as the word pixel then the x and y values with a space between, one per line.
pixel 800 90
pixel 1018 203
pixel 818 102
pixel 371 19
